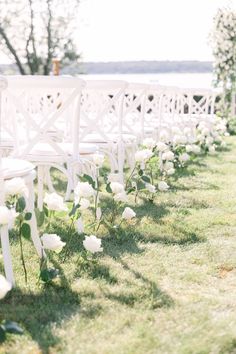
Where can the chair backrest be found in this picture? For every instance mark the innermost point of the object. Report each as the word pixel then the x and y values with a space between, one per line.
pixel 102 108
pixel 43 109
pixel 134 109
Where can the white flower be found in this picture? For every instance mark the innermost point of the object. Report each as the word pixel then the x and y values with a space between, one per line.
pixel 80 226
pixel 98 159
pixel 170 172
pixel 121 197
pixel 209 140
pixel 92 244
pixel 163 186
pixel 161 146
pixel 5 286
pixel 150 187
pixel 55 202
pixel 179 139
pixel 196 149
pixel 212 150
pixel 149 143
pixel 117 187
pixel 16 186
pixel 52 242
pixel 184 157
pixel 164 135
pixel 11 222
pixel 168 155
pixel 189 148
pixel 168 165
pixel 5 215
pixel 128 214
pixel 84 203
pixel 143 155
pixel 84 189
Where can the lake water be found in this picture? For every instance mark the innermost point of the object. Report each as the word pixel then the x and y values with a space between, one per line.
pixel 190 80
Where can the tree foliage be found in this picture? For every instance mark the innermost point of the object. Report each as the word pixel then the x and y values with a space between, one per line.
pixel 32 32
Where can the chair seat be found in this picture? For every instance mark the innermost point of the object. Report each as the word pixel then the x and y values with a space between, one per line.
pixel 111 138
pixel 15 167
pixel 46 150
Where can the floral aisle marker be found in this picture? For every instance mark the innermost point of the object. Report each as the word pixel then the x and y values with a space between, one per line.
pixel 223 40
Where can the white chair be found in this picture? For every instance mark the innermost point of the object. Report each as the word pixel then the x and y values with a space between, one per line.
pixel 10 168
pixel 101 119
pixel 45 112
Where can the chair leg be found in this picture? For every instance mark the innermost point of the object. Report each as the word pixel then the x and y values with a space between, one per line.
pixel 7 255
pixel 40 187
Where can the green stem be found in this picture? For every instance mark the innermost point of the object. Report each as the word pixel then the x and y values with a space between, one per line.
pixel 22 254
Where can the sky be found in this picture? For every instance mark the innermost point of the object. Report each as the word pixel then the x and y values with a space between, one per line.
pixel 120 30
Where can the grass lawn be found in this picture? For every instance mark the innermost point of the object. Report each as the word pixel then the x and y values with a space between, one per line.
pixel 168 287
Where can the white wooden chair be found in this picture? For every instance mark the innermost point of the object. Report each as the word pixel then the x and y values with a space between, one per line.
pixel 101 119
pixel 11 168
pixel 46 116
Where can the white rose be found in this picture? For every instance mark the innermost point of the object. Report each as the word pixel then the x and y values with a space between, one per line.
pixel 170 172
pixel 121 197
pixel 209 140
pixel 179 139
pixel 168 165
pixel 196 149
pixel 168 155
pixel 163 186
pixel 205 131
pixel 150 187
pixel 5 215
pixel 164 135
pixel 5 286
pixel 128 214
pixel 16 186
pixel 98 213
pixel 92 244
pixel 84 203
pixel 84 189
pixel 149 143
pixel 52 242
pixel 98 159
pixel 55 202
pixel 143 155
pixel 184 157
pixel 189 148
pixel 212 150
pixel 187 131
pixel 117 187
pixel 161 146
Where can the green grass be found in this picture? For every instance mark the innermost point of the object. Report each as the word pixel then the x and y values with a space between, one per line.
pixel 168 287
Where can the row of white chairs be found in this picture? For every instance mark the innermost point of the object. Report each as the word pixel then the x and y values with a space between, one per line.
pixel 62 121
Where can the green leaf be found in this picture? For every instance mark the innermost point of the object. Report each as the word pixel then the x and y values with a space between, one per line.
pixel 45 209
pixel 146 179
pixel 47 275
pixel 25 230
pixel 28 216
pixel 140 185
pixel 12 327
pixel 20 205
pixel 2 334
pixel 140 172
pixel 40 216
pixel 108 188
pixel 130 190
pixel 74 209
pixel 89 179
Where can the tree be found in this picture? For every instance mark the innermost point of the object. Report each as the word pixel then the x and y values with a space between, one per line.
pixel 33 32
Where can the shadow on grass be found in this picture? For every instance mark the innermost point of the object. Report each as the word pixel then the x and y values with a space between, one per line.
pixel 148 293
pixel 38 313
